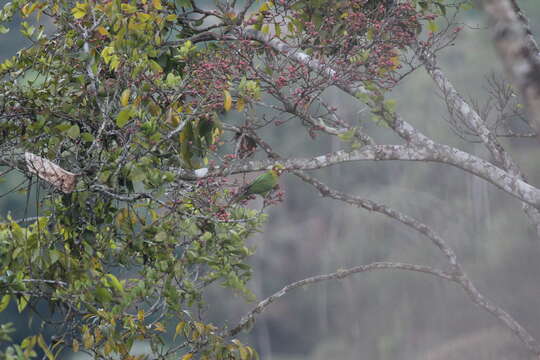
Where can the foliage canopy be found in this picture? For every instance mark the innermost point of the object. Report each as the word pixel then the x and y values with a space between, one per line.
pixel 133 99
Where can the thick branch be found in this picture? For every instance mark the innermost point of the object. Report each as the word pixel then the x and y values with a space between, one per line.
pixel 433 153
pixel 514 47
pixel 533 45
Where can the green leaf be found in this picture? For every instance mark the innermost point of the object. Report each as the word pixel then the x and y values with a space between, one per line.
pixel 155 66
pixel 124 98
pixel 87 137
pixel 173 80
pixel 63 126
pixel 107 53
pixel 74 132
pixel 123 116
pixel 103 295
pixel 277 29
pixel 4 302
pixel 432 26
pixel 29 342
pixel 44 347
pixel 179 328
pixel 79 11
pixel 128 8
pixel 115 283
pixel 265 7
pixel 54 255
pixel 22 302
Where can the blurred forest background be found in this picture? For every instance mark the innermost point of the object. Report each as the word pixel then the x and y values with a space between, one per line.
pixel 385 315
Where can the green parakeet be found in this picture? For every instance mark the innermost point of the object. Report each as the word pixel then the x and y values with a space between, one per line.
pixel 262 185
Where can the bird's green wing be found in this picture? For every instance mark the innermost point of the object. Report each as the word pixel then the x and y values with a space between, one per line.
pixel 260 186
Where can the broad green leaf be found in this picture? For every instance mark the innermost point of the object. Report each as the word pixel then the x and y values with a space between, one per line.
pixel 155 66
pixel 87 137
pixel 74 132
pixel 4 302
pixel 80 10
pixel 123 117
pixel 115 283
pixel 107 53
pixel 29 342
pixel 265 7
pixel 179 328
pixel 277 29
pixel 124 98
pixel 22 302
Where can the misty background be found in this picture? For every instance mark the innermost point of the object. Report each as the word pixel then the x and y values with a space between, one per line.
pixel 384 315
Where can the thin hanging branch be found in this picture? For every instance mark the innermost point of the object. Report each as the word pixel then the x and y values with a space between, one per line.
pixel 248 319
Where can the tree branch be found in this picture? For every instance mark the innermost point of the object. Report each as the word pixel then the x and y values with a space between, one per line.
pixel 515 48
pixel 385 210
pixel 533 45
pixel 430 150
pixel 248 319
pixel 456 103
pixel 432 153
pixel 458 275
